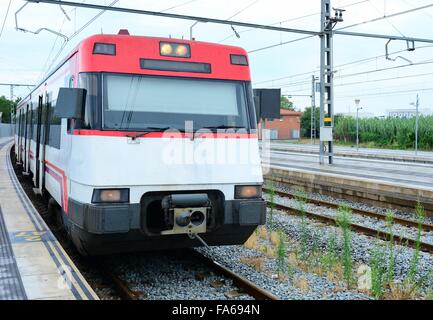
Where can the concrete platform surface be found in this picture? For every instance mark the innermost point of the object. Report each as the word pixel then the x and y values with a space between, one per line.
pixel 33 265
pixel 340 151
pixel 411 175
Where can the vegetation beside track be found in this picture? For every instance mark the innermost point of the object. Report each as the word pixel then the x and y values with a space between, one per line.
pixel 335 262
pixel 390 133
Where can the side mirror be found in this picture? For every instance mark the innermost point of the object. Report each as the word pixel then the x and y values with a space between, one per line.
pixel 70 103
pixel 269 103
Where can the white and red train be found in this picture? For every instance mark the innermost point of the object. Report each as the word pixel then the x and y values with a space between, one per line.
pixel 142 143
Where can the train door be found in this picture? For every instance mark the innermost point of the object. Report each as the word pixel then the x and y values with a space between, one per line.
pixel 45 125
pixel 28 138
pixel 38 141
pixel 20 128
pixel 25 153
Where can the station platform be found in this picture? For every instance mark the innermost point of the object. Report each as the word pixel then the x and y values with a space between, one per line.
pixel 33 265
pixel 364 153
pixel 399 184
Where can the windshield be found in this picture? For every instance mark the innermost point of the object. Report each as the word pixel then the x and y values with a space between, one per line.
pixel 150 103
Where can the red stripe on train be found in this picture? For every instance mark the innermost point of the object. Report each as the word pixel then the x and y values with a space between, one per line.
pixel 62 182
pixel 168 134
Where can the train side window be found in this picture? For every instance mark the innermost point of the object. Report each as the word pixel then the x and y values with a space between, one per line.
pixel 29 122
pixel 21 123
pixel 55 124
pixel 34 122
pixel 92 112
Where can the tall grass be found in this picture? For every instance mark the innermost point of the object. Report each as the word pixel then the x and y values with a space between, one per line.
pixel 378 271
pixel 281 251
pixel 391 257
pixel 420 218
pixel 388 132
pixel 330 258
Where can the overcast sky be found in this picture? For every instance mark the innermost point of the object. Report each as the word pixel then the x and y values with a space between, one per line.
pixel 25 57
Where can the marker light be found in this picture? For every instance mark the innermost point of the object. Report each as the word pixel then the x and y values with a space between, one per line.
pixel 172 49
pixel 248 192
pixel 104 48
pixel 238 59
pixel 110 195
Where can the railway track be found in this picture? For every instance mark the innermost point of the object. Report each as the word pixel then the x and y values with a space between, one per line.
pixel 383 235
pixel 119 285
pixel 126 293
pixel 362 212
pixel 241 282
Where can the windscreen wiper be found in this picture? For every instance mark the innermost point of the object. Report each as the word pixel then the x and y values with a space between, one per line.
pixel 157 129
pixel 147 130
pixel 225 127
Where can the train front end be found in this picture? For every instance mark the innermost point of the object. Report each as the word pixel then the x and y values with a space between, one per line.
pixel 166 150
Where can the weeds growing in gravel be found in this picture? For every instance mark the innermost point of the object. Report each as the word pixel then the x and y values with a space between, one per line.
pixel 429 295
pixel 409 287
pixel 290 270
pixel 330 259
pixel 378 271
pixel 304 231
pixel 420 218
pixel 343 220
pixel 281 251
pixel 391 257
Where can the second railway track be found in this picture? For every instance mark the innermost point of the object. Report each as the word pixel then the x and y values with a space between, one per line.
pixel 400 239
pixel 367 213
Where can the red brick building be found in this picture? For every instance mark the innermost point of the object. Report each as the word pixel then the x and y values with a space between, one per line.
pixel 288 127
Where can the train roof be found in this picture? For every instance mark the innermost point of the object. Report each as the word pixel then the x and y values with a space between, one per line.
pixel 131 48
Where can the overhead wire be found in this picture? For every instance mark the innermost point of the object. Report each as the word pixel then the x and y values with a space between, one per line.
pixel 96 17
pixel 6 16
pixel 79 31
pixel 345 27
pixel 339 67
pixel 291 20
pixel 386 93
pixel 45 67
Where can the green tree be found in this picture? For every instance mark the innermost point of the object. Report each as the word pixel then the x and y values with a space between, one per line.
pixel 306 122
pixel 286 104
pixel 5 109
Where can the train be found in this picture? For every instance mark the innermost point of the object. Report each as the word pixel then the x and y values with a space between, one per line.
pixel 145 143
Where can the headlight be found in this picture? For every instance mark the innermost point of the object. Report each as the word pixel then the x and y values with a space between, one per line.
pixel 110 196
pixel 247 192
pixel 166 49
pixel 173 49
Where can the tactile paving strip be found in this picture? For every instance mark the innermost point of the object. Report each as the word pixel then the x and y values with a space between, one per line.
pixel 11 286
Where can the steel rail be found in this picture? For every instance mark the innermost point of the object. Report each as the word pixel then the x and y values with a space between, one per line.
pixel 363 212
pixel 119 285
pixel 423 246
pixel 240 281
